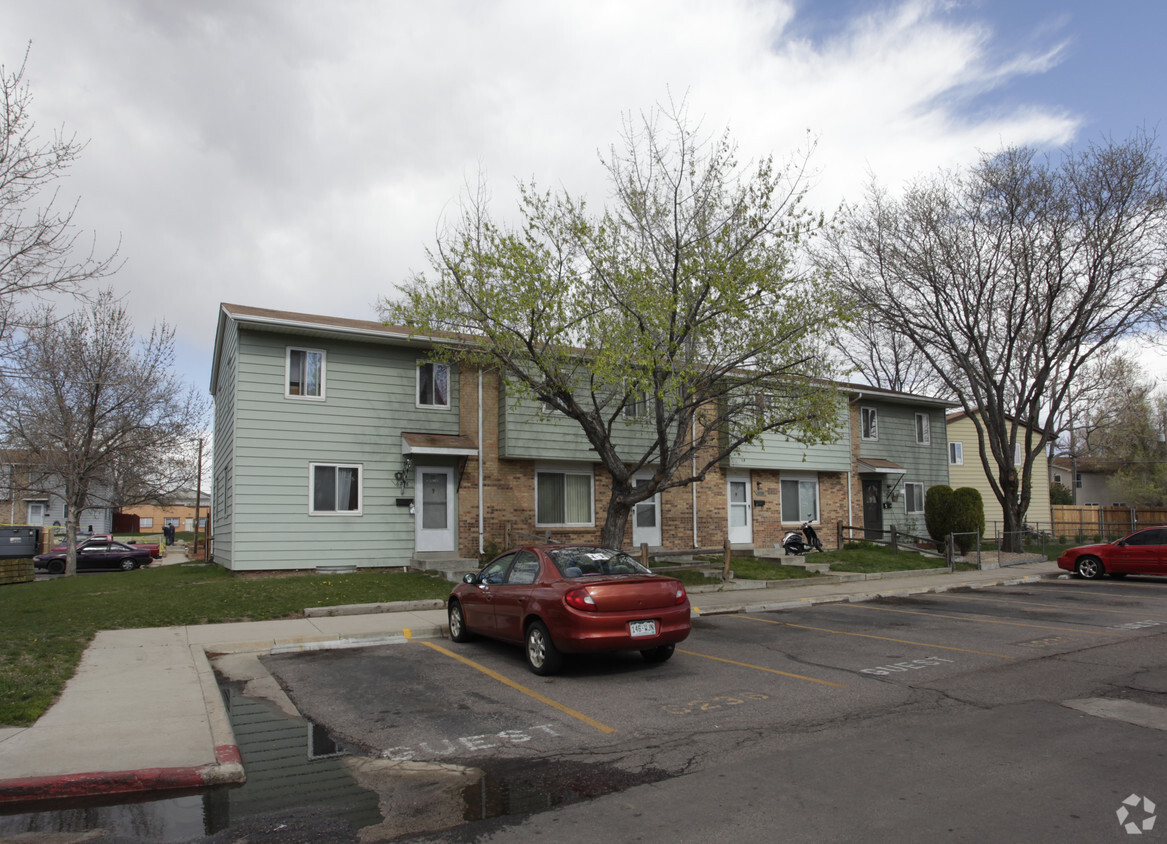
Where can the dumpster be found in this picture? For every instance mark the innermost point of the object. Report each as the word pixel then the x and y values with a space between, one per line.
pixel 18 541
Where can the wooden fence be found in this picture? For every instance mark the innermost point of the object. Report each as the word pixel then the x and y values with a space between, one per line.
pixel 1105 523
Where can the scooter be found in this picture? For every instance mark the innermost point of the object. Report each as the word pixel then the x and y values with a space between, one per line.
pixel 795 545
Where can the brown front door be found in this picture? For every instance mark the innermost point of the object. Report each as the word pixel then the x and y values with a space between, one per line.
pixel 872 510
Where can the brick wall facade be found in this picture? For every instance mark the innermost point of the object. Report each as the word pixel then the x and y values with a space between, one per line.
pixel 509 494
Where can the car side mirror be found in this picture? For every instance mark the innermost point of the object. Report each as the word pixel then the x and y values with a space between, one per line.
pixel 470 578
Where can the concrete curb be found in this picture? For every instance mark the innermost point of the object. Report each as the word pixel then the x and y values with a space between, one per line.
pixel 866 596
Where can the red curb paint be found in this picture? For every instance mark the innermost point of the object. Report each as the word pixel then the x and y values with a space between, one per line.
pixel 29 789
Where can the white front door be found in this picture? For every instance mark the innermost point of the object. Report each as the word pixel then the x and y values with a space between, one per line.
pixel 36 513
pixel 435 517
pixel 646 519
pixel 740 521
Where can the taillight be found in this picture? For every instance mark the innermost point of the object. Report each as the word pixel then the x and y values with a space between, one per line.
pixel 680 597
pixel 580 600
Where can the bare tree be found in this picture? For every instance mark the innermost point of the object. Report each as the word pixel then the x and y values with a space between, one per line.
pixel 883 357
pixel 681 309
pixel 40 248
pixel 1010 278
pixel 91 404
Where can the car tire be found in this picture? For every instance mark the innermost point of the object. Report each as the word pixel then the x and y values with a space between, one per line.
pixel 662 654
pixel 458 630
pixel 1090 568
pixel 128 564
pixel 56 567
pixel 543 657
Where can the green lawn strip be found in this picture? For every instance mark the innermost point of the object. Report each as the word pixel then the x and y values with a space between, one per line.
pixel 45 626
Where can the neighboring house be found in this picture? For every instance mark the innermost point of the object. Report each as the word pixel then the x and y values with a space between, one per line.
pixel 341 442
pixel 899 444
pixel 1091 483
pixel 178 511
pixel 28 498
pixel 965 469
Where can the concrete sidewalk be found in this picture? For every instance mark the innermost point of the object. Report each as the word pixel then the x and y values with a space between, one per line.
pixel 143 712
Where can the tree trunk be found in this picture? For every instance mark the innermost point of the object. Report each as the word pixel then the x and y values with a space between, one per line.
pixel 616 521
pixel 72 525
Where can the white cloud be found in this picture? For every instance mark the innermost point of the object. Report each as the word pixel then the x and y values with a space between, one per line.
pixel 300 155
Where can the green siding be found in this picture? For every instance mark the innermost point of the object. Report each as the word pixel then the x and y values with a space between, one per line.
pixel 777 451
pixel 926 464
pixel 222 523
pixel 525 432
pixel 369 401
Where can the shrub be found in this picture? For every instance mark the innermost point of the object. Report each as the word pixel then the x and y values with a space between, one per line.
pixel 968 516
pixel 938 507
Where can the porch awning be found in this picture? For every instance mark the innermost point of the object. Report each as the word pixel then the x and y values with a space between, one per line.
pixel 449 445
pixel 879 466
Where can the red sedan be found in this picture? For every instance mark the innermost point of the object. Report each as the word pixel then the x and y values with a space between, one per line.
pixel 1143 552
pixel 571 599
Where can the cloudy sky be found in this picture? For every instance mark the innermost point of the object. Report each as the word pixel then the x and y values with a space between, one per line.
pixel 301 155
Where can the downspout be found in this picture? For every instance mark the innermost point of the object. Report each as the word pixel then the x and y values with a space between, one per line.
pixel 481 518
pixel 693 438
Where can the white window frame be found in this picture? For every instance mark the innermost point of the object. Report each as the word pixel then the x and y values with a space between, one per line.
pixel 801 478
pixel 288 394
pixel 956 453
pixel 567 470
pixel 359 511
pixel 925 429
pixel 422 364
pixel 919 497
pixel 874 426
pixel 1017 454
pixel 146 522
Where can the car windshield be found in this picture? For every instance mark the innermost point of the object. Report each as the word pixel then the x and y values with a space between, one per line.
pixel 580 562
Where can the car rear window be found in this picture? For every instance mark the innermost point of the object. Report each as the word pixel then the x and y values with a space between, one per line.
pixel 581 562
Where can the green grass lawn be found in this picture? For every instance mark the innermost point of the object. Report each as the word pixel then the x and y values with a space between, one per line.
pixel 861 557
pixel 45 626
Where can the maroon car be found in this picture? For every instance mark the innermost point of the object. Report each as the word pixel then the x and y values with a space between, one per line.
pixel 1143 552
pixel 571 599
pixel 96 555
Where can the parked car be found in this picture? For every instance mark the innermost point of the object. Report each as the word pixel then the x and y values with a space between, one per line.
pixel 153 547
pixel 556 600
pixel 94 555
pixel 1143 552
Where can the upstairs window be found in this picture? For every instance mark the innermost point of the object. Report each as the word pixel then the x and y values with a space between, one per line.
pixel 923 432
pixel 433 385
pixel 956 454
pixel 868 423
pixel 305 373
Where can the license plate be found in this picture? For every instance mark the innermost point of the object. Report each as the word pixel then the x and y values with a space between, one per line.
pixel 642 628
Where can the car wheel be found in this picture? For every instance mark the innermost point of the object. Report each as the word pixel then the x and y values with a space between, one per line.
pixel 128 564
pixel 1090 568
pixel 542 655
pixel 458 631
pixel 56 567
pixel 661 654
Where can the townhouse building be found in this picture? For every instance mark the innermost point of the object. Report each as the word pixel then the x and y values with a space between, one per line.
pixel 345 442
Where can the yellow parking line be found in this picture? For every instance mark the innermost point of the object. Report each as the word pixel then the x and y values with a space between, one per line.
pixel 1038 604
pixel 872 636
pixel 980 619
pixel 566 710
pixel 762 668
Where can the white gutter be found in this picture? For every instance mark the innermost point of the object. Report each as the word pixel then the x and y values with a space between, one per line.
pixel 481 517
pixel 693 438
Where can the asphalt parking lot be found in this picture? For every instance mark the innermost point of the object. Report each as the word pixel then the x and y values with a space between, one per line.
pixel 737 676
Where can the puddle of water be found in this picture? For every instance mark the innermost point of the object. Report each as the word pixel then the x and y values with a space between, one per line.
pixel 292 765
